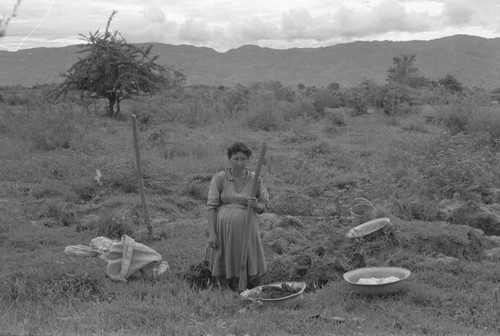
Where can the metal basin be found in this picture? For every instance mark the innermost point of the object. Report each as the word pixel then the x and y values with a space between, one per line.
pixel 368 227
pixel 352 277
pixel 289 301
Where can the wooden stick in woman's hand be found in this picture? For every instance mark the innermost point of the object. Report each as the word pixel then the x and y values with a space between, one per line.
pixel 242 284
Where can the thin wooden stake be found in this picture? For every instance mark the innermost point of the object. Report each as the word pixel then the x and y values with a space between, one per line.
pixel 139 178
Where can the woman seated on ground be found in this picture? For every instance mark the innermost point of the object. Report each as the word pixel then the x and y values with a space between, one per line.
pixel 228 199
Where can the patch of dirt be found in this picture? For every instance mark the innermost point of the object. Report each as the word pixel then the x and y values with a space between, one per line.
pixel 317 251
pixel 400 244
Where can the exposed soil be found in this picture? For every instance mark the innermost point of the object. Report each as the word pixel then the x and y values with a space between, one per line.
pixel 318 250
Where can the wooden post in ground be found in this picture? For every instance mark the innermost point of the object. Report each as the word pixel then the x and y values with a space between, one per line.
pixel 139 178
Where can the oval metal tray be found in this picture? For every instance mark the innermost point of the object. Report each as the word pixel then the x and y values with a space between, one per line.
pixel 368 227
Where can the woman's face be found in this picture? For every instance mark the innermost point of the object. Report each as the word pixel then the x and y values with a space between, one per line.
pixel 238 161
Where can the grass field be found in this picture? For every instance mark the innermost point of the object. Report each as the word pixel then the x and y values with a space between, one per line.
pixel 315 169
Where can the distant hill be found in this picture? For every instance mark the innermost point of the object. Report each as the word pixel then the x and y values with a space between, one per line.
pixel 473 60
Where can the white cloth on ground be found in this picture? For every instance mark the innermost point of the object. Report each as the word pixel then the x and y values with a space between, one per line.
pixel 128 257
pixel 124 257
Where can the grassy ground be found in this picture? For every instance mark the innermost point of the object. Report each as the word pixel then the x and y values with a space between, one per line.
pixel 314 171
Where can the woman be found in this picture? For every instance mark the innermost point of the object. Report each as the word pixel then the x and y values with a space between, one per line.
pixel 228 199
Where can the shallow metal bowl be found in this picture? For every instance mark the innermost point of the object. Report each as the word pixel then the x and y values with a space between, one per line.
pixel 352 277
pixel 368 227
pixel 289 301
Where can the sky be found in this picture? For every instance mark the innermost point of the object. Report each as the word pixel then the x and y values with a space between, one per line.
pixel 229 24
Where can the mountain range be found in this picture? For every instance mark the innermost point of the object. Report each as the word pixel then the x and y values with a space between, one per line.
pixel 472 60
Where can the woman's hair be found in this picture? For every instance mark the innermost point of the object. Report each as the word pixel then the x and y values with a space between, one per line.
pixel 239 147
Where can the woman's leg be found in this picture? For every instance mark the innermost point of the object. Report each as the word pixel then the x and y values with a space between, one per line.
pixel 253 281
pixel 222 283
pixel 233 283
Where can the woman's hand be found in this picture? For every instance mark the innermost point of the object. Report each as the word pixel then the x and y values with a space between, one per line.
pixel 253 202
pixel 212 242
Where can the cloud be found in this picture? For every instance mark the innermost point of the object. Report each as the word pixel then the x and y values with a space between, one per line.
pixel 390 15
pixel 297 23
pixel 148 25
pixel 458 12
pixel 224 24
pixel 194 31
pixel 255 29
pixel 154 14
pixel 351 22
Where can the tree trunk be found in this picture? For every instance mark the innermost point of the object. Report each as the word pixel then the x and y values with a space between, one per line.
pixel 118 112
pixel 111 108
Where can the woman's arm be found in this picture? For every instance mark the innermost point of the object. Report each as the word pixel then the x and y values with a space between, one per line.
pixel 213 203
pixel 212 236
pixel 260 202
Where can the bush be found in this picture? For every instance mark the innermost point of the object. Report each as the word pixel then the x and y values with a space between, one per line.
pixel 47 127
pixel 274 88
pixel 113 227
pixel 397 99
pixel 336 117
pixel 300 132
pixel 319 149
pixel 356 103
pixel 145 118
pixel 454 113
pixel 264 114
pixel 459 163
pixel 235 100
pixel 471 114
pixel 328 98
pixel 298 109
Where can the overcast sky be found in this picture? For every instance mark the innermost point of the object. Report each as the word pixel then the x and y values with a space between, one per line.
pixel 227 24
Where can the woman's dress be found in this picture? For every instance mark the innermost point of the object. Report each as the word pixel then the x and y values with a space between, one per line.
pixel 230 204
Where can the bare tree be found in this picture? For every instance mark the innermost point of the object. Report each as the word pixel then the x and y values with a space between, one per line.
pixel 114 69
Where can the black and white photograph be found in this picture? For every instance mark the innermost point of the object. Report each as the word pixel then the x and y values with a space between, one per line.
pixel 250 168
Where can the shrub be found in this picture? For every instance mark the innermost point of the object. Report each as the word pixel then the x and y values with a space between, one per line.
pixel 145 118
pixel 458 163
pixel 235 100
pixel 397 99
pixel 328 98
pixel 112 226
pixel 454 113
pixel 122 175
pixel 48 127
pixel 357 104
pixel 264 114
pixel 274 88
pixel 298 109
pixel 470 114
pixel 319 149
pixel 300 132
pixel 414 207
pixel 336 117
pixel 157 137
pixel 85 189
pixel 486 122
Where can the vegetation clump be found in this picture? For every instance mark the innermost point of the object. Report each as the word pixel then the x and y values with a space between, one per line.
pixel 114 69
